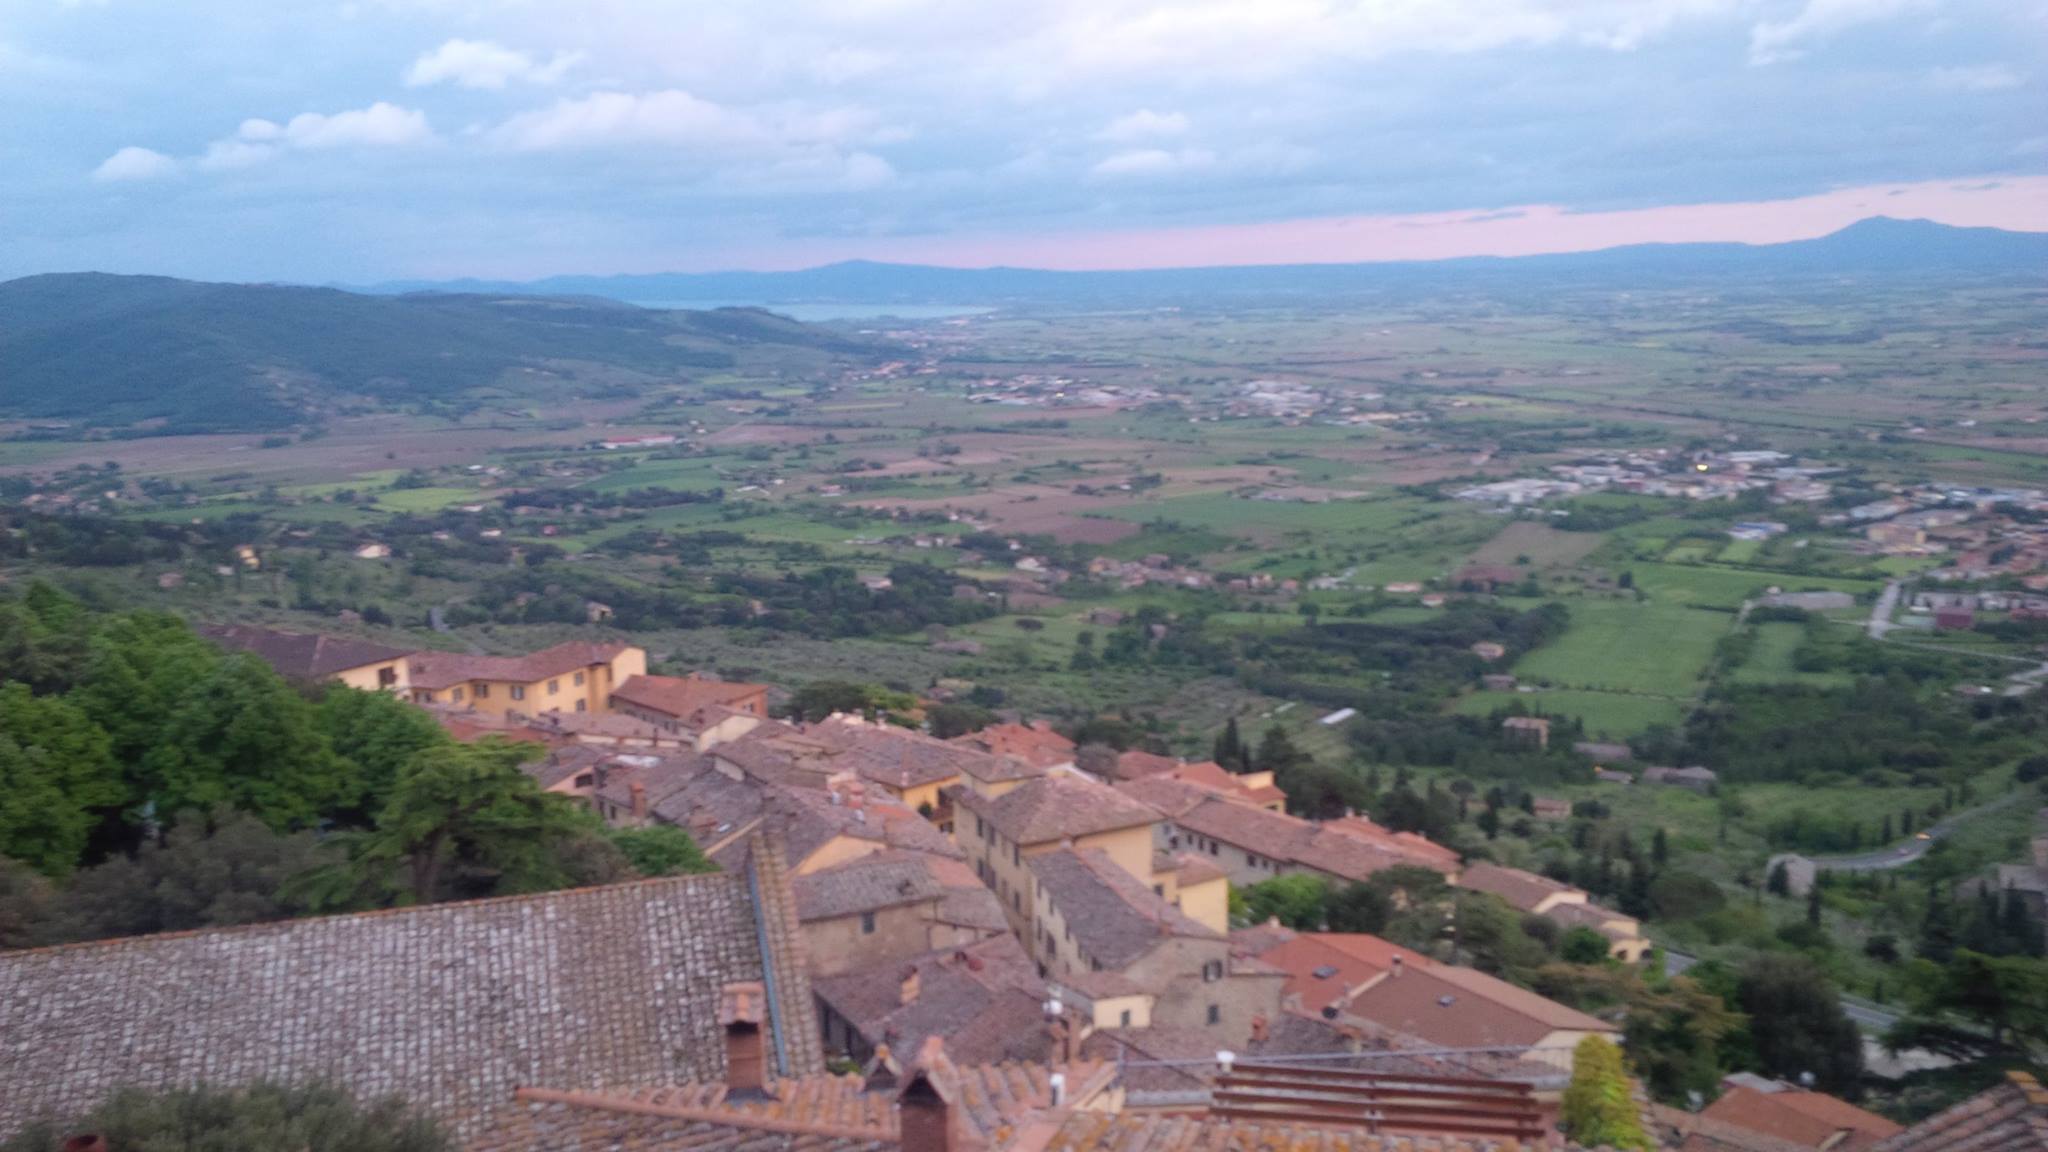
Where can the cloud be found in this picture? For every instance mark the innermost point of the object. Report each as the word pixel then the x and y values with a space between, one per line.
pixel 381 125
pixel 1151 162
pixel 1979 78
pixel 1144 124
pixel 1773 41
pixel 679 119
pixel 132 163
pixel 484 64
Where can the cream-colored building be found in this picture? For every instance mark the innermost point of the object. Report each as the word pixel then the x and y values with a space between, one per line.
pixel 573 677
pixel 999 833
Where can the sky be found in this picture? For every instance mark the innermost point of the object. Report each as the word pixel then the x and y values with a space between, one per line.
pixel 401 139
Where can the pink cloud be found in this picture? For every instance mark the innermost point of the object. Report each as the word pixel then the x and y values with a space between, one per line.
pixel 2017 203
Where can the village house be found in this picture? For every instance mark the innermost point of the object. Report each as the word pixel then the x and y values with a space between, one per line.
pixel 1036 744
pixel 1252 844
pixel 1753 1112
pixel 1134 958
pixel 1696 778
pixel 986 1000
pixel 578 676
pixel 386 1002
pixel 1527 730
pixel 1569 907
pixel 999 833
pixel 891 905
pixel 674 703
pixel 311 659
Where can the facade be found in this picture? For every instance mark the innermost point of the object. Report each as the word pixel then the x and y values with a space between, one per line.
pixel 999 833
pixel 573 677
pixel 1569 907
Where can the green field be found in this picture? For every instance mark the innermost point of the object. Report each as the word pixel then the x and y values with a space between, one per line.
pixel 1607 715
pixel 1771 660
pixel 1649 648
pixel 1728 587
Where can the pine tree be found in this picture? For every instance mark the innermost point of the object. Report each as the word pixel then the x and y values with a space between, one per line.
pixel 1660 848
pixel 1813 903
pixel 1884 834
pixel 1598 1109
pixel 1938 930
pixel 1229 748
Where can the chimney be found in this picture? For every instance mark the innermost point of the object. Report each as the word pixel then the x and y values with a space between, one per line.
pixel 906 992
pixel 1261 1030
pixel 1397 966
pixel 86 1142
pixel 639 794
pixel 741 1010
pixel 925 1106
pixel 1057 1083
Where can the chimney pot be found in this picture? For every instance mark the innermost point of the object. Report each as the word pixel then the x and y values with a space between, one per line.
pixel 1397 965
pixel 638 791
pixel 911 985
pixel 1058 1083
pixel 741 1009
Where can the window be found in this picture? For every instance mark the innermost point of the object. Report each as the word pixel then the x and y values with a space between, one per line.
pixel 455 695
pixel 1016 904
pixel 1016 855
pixel 386 677
pixel 586 780
pixel 579 680
pixel 1159 890
pixel 554 686
pixel 1212 849
pixel 483 691
pixel 867 923
pixel 1212 971
pixel 1215 1014
pixel 519 691
pixel 1123 1019
pixel 583 705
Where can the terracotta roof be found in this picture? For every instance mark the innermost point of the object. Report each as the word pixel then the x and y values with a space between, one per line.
pixel 2013 1117
pixel 1465 1008
pixel 1034 744
pixel 452 1005
pixel 1340 849
pixel 1137 764
pixel 1114 918
pixel 1054 808
pixel 1810 1119
pixel 1190 870
pixel 435 670
pixel 1324 967
pixel 682 696
pixel 1694 1132
pixel 1523 890
pixel 301 657
pixel 865 884
pixel 816 1114
pixel 1208 774
pixel 899 758
pixel 984 999
pixel 1161 1132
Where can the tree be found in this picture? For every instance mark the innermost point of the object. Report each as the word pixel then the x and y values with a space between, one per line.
pixel 303 1117
pixel 376 733
pixel 24 905
pixel 1297 901
pixel 1359 908
pixel 1582 945
pixel 1277 751
pixel 1813 904
pixel 957 719
pixel 240 736
pixel 1780 881
pixel 1489 822
pixel 58 779
pixel 1660 848
pixel 821 698
pixel 1598 1109
pixel 211 870
pixel 1673 1035
pixel 1975 1005
pixel 1679 895
pixel 1228 749
pixel 463 821
pixel 661 850
pixel 1797 1025
pixel 43 639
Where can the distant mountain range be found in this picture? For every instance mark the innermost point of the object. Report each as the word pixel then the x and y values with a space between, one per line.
pixel 189 357
pixel 1877 246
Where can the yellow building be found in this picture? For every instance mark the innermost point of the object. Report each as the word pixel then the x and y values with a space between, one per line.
pixel 999 833
pixel 313 658
pixel 575 677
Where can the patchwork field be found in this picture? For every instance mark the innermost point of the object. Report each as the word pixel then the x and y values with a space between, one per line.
pixel 1646 648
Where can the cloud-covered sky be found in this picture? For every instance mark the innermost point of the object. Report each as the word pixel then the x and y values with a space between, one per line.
pixel 373 139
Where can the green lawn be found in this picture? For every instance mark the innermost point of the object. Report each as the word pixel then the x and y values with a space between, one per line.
pixel 1607 715
pixel 1727 587
pixel 426 499
pixel 1771 660
pixel 1648 648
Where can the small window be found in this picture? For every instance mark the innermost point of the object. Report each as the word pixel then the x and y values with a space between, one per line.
pixel 1016 904
pixel 1212 849
pixel 554 686
pixel 455 695
pixel 386 677
pixel 586 780
pixel 1123 1019
pixel 1215 1014
pixel 579 680
pixel 1016 855
pixel 1159 890
pixel 483 691
pixel 583 705
pixel 867 923
pixel 519 691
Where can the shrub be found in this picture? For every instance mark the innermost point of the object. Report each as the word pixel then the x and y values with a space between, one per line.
pixel 1598 1108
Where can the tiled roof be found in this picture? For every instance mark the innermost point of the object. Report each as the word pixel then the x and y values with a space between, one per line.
pixel 1161 1132
pixel 301 657
pixel 1612 925
pixel 1034 744
pixel 1208 774
pixel 984 999
pixel 1810 1119
pixel 1323 967
pixel 1523 890
pixel 565 764
pixel 452 1005
pixel 435 670
pixel 1190 870
pixel 813 1114
pixel 1465 1008
pixel 1054 808
pixel 1137 764
pixel 865 884
pixel 1114 918
pixel 1336 849
pixel 682 696
pixel 1696 1132
pixel 2012 1117
pixel 899 758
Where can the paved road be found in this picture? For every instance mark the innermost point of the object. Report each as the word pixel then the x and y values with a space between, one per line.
pixel 1900 855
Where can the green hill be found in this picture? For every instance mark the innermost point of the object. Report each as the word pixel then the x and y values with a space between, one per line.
pixel 186 356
